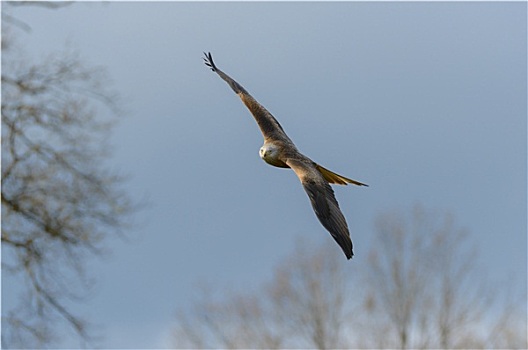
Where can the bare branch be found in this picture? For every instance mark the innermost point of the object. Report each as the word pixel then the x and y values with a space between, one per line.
pixel 45 4
pixel 59 203
pixel 302 307
pixel 420 289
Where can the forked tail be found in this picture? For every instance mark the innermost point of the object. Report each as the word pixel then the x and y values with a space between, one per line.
pixel 334 178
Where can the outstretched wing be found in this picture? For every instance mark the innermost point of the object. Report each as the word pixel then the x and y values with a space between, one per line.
pixel 323 202
pixel 269 126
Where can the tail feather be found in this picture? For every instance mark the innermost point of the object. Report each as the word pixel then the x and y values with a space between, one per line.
pixel 334 178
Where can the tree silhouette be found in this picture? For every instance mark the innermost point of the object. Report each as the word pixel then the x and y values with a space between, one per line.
pixel 418 288
pixel 302 307
pixel 59 202
pixel 426 290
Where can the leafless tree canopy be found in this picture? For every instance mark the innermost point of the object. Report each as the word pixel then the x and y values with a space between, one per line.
pixel 418 288
pixel 301 308
pixel 58 201
pixel 425 284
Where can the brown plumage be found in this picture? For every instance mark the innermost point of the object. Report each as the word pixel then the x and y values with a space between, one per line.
pixel 278 150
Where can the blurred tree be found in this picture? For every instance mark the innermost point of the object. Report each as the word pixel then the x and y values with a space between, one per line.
pixel 420 288
pixel 58 201
pixel 301 308
pixel 424 289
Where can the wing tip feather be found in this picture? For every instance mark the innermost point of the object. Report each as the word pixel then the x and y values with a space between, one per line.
pixel 209 61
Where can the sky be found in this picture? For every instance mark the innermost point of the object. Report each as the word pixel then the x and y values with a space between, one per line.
pixel 425 102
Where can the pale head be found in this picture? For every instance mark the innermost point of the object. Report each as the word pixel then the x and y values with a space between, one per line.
pixel 268 151
pixel 270 154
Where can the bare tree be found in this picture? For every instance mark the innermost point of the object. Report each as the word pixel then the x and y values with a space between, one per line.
pixel 59 202
pixel 302 307
pixel 420 287
pixel 425 290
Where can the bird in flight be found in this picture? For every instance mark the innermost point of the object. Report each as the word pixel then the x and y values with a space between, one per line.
pixel 278 150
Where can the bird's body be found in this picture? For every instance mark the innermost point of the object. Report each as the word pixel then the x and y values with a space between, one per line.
pixel 278 150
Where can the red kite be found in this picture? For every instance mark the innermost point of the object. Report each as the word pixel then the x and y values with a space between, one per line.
pixel 278 150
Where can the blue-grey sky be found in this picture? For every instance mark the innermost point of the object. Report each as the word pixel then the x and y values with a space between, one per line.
pixel 425 102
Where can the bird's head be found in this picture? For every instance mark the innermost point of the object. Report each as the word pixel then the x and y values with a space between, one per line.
pixel 270 153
